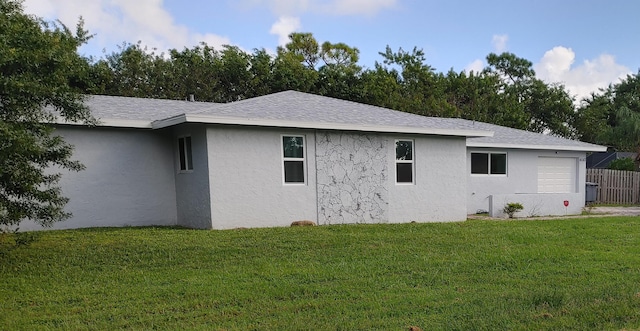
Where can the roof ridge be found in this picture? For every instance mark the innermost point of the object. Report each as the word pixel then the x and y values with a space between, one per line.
pixel 151 99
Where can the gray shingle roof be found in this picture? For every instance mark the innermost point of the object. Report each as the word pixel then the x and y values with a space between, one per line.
pixel 126 108
pixel 509 137
pixel 305 107
pixel 293 109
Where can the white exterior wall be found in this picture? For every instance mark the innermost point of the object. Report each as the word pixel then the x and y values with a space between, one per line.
pixel 133 178
pixel 246 178
pixel 193 198
pixel 439 189
pixel 521 185
pixel 544 204
pixel 350 178
pixel 128 180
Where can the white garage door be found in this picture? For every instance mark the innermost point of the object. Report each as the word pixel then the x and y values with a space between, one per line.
pixel 556 175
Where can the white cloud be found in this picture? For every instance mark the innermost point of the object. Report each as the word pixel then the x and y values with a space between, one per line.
pixel 556 63
pixel 557 66
pixel 499 43
pixel 288 11
pixel 117 21
pixel 475 66
pixel 283 27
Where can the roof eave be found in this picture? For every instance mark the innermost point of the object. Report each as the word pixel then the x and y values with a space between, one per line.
pixel 590 148
pixel 208 119
pixel 117 123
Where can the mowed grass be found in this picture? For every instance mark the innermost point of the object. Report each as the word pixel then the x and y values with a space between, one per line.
pixel 476 275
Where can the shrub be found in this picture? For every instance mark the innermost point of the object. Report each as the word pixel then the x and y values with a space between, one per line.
pixel 512 208
pixel 623 164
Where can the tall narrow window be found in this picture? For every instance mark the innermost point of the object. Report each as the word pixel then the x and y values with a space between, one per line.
pixel 404 161
pixel 293 159
pixel 184 151
pixel 498 164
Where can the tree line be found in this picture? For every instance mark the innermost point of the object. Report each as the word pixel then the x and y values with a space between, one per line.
pixel 506 92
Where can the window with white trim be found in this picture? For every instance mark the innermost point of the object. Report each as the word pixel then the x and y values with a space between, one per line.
pixel 293 159
pixel 404 162
pixel 489 163
pixel 185 153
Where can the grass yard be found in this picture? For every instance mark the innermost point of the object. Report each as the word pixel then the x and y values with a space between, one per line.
pixel 477 275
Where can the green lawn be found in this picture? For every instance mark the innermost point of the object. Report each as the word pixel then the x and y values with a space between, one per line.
pixel 477 275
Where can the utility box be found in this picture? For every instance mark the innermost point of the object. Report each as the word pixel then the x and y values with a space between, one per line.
pixel 591 192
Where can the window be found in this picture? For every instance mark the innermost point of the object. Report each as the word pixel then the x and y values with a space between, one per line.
pixel 489 163
pixel 184 151
pixel 404 161
pixel 293 159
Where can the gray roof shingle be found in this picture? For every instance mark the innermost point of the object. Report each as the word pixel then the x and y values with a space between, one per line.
pixel 305 107
pixel 297 107
pixel 509 137
pixel 143 109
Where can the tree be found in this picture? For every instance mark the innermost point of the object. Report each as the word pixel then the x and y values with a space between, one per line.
pixel 592 117
pixel 294 67
pixel 531 104
pixel 235 77
pixel 625 163
pixel 290 74
pixel 134 73
pixel 612 117
pixel 38 61
pixel 261 69
pixel 304 65
pixel 339 77
pixel 512 68
pixel 196 72
pixel 339 54
pixel 381 87
pixel 303 47
pixel 423 91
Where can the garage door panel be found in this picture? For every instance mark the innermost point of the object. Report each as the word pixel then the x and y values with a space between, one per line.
pixel 557 175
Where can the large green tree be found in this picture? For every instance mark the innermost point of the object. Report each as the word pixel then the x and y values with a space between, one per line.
pixel 39 64
pixel 612 116
pixel 474 96
pixel 527 102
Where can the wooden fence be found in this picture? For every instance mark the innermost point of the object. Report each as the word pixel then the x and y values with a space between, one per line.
pixel 616 186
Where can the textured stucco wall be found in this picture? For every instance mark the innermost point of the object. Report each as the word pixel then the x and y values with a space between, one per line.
pixel 440 186
pixel 353 177
pixel 128 180
pixel 246 178
pixel 192 188
pixel 522 178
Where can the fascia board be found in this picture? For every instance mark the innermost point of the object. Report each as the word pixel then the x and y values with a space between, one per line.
pixel 118 123
pixel 593 148
pixel 171 121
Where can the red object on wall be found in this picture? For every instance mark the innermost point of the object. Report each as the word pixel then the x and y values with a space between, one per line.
pixel 566 203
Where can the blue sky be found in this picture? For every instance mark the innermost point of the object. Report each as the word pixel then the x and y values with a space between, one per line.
pixel 583 44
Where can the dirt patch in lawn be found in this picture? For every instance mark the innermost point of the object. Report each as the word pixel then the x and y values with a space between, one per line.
pixel 588 212
pixel 617 211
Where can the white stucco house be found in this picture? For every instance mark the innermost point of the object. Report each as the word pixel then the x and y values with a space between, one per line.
pixel 541 172
pixel 274 159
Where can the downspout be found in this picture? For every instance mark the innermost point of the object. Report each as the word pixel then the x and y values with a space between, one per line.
pixel 315 160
